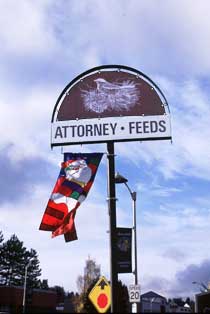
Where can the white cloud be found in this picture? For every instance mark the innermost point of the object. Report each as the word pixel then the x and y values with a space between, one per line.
pixel 26 123
pixel 169 241
pixel 157 190
pixel 24 29
pixel 188 154
pixel 135 33
pixel 141 33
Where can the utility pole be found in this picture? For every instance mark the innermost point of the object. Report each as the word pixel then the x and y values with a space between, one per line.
pixel 119 179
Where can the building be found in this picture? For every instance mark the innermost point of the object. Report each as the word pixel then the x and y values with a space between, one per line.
pixel 37 300
pixel 177 305
pixel 152 302
pixel 202 302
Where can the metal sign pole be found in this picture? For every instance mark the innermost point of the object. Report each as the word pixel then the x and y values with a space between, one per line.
pixel 112 223
pixel 133 194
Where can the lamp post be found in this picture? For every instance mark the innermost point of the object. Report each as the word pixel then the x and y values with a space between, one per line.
pixel 118 180
pixel 24 287
pixel 201 284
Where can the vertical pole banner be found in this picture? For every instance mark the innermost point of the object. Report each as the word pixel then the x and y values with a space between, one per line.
pixel 124 250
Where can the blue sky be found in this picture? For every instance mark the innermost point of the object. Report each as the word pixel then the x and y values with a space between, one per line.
pixel 44 45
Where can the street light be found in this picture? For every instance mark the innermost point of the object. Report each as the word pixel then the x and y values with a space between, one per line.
pixel 202 285
pixel 120 179
pixel 24 288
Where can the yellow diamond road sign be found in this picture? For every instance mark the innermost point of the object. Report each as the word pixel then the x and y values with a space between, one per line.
pixel 100 295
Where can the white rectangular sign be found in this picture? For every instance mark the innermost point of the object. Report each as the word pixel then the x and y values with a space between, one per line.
pixel 111 129
pixel 134 293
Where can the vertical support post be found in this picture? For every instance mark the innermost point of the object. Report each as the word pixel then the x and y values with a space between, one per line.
pixel 135 237
pixel 24 290
pixel 196 303
pixel 133 195
pixel 112 224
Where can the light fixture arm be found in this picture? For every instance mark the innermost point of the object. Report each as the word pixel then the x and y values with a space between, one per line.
pixel 202 285
pixel 133 194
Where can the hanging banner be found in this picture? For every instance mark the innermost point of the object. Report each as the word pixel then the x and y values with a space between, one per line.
pixel 72 186
pixel 110 103
pixel 124 250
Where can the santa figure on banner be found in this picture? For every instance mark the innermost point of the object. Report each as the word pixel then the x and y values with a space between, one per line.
pixel 73 184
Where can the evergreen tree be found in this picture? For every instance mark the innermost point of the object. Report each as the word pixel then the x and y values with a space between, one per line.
pixel 13 260
pixel 1 240
pixel 188 300
pixel 60 293
pixel 43 284
pixel 33 270
pixel 122 298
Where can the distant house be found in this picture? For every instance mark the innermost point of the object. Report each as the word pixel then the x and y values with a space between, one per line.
pixel 179 306
pixel 153 302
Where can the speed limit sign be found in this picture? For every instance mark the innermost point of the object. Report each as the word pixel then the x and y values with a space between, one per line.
pixel 134 293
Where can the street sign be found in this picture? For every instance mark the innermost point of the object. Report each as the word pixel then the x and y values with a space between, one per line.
pixel 100 295
pixel 110 103
pixel 134 293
